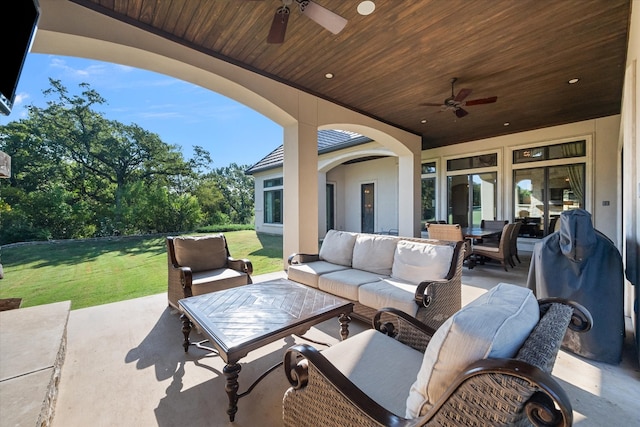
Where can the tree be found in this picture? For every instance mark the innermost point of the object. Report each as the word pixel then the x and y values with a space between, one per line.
pixel 237 190
pixel 118 153
pixel 75 173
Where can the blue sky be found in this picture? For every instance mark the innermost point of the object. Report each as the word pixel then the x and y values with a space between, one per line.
pixel 180 112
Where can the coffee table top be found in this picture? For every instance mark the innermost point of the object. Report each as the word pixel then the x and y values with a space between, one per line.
pixel 242 319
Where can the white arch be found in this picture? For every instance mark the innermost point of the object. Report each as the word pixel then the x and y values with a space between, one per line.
pixel 66 28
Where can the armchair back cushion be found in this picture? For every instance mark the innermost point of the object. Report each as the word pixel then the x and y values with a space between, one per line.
pixel 374 253
pixel 494 325
pixel 415 262
pixel 337 247
pixel 201 253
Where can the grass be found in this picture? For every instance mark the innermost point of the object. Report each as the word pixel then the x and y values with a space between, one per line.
pixel 94 272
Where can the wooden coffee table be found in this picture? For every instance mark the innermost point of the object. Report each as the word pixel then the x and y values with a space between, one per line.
pixel 239 320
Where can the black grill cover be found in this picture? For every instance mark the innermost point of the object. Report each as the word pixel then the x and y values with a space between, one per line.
pixel 579 263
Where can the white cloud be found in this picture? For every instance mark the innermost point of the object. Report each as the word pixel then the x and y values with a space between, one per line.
pixel 20 99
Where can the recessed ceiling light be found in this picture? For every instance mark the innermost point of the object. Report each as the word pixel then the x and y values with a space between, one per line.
pixel 366 7
pixel 506 124
pixel 328 75
pixel 423 121
pixel 573 81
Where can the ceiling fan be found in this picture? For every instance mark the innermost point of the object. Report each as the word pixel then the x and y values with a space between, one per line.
pixel 456 102
pixel 321 15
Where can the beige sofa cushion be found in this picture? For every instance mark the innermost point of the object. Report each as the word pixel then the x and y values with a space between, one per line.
pixel 389 293
pixel 200 252
pixel 345 283
pixel 374 253
pixel 337 247
pixel 309 273
pixel 382 367
pixel 494 325
pixel 416 262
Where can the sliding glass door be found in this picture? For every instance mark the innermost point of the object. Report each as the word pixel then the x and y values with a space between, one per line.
pixel 472 198
pixel 542 194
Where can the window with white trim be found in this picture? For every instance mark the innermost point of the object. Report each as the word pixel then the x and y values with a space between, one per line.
pixel 273 201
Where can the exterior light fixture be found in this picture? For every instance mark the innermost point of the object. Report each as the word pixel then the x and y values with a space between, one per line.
pixel 366 7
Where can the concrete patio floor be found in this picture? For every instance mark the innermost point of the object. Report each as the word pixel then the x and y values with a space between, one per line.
pixel 125 366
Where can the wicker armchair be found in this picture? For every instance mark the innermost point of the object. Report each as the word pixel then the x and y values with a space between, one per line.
pixel 491 391
pixel 199 265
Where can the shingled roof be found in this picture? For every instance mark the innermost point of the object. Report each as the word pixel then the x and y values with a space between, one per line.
pixel 328 141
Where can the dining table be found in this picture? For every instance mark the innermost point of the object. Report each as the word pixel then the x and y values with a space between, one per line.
pixel 479 233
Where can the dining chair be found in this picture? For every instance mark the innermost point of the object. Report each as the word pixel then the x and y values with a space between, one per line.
pixel 490 224
pixel 501 253
pixel 450 232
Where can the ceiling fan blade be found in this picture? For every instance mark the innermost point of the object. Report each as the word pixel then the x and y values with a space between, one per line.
pixel 323 16
pixel 460 112
pixel 481 101
pixel 462 94
pixel 279 25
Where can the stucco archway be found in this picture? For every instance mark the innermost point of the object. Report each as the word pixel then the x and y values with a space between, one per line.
pixel 66 28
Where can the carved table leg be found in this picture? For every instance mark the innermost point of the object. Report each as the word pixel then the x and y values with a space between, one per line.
pixel 186 330
pixel 344 326
pixel 231 371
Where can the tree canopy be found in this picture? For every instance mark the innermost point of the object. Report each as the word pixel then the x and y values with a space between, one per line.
pixel 77 174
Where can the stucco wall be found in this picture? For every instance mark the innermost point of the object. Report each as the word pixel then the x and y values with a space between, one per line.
pixel 384 174
pixel 602 183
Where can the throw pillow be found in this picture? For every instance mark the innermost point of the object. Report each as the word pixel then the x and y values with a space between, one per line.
pixel 415 262
pixel 337 247
pixel 494 325
pixel 374 253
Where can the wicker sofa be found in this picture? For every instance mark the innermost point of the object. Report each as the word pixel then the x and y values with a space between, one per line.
pixel 201 264
pixel 489 364
pixel 421 277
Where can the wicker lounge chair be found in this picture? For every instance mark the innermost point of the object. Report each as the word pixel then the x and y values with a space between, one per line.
pixel 202 264
pixel 365 380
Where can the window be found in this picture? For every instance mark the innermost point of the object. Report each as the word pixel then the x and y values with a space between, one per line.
pixel 550 152
pixel 472 197
pixel 275 182
pixel 473 162
pixel 542 194
pixel 273 201
pixel 428 199
pixel 331 206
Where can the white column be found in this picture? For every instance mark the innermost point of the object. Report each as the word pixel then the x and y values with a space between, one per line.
pixel 300 172
pixel 409 195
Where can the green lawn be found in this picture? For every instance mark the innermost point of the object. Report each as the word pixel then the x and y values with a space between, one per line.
pixel 97 272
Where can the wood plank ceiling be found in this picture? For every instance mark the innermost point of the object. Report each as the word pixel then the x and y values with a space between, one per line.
pixel 405 53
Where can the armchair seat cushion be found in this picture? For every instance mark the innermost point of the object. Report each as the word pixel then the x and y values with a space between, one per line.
pixel 224 274
pixel 494 325
pixel 389 292
pixel 308 273
pixel 382 367
pixel 345 283
pixel 201 253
